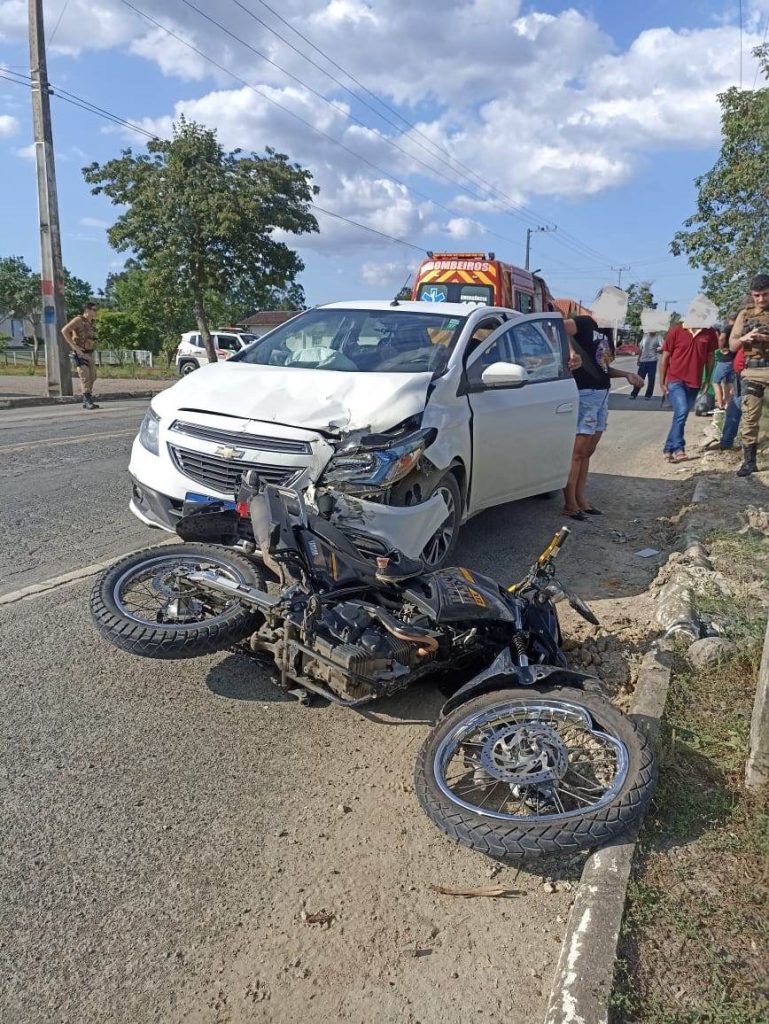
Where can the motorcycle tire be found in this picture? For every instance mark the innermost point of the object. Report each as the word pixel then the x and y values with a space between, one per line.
pixel 526 836
pixel 179 639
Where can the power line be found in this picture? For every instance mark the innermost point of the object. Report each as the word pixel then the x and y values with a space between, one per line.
pixel 58 22
pixel 306 123
pixel 571 242
pixel 116 119
pixel 469 172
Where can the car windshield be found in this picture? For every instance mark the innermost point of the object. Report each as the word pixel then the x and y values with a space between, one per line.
pixel 360 340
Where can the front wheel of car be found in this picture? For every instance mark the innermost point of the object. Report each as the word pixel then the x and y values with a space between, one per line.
pixel 440 547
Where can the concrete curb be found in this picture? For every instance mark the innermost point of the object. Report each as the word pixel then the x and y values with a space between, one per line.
pixel 112 396
pixel 584 975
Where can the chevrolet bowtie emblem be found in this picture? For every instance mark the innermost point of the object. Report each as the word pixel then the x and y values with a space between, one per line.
pixel 229 453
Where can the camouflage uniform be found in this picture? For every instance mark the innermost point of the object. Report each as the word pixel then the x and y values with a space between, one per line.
pixel 85 339
pixel 755 376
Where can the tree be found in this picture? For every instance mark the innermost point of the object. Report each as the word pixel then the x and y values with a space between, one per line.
pixel 201 221
pixel 639 296
pixel 728 235
pixel 76 293
pixel 20 296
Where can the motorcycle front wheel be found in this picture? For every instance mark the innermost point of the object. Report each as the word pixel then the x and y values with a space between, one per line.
pixel 524 774
pixel 142 605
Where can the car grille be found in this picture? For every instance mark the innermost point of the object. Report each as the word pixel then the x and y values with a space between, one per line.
pixel 242 440
pixel 223 475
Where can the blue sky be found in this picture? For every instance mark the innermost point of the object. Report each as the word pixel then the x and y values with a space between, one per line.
pixel 593 117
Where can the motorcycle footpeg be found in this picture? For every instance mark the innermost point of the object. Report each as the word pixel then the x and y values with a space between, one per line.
pixel 207 579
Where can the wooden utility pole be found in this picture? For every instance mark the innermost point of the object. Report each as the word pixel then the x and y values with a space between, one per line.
pixel 529 233
pixel 51 265
pixel 757 771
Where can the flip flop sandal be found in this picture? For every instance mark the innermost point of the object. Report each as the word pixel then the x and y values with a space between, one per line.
pixel 579 516
pixel 668 456
pixel 680 457
pixel 592 511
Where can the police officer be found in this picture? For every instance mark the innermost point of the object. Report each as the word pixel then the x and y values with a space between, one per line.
pixel 80 335
pixel 751 334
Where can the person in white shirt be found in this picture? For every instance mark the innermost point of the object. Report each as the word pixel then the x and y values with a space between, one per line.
pixel 651 345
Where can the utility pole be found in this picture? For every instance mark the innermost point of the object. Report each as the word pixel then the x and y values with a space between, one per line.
pixel 51 265
pixel 620 271
pixel 666 302
pixel 529 233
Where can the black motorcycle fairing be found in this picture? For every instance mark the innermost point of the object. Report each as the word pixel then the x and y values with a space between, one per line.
pixel 503 673
pixel 458 595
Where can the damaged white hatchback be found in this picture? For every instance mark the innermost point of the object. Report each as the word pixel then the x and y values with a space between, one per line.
pixel 403 418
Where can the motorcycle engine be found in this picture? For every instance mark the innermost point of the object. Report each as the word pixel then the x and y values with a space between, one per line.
pixel 358 656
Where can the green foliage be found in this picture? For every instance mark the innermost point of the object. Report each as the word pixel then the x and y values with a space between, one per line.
pixel 117 329
pixel 19 290
pixel 639 296
pixel 201 221
pixel 728 236
pixel 76 293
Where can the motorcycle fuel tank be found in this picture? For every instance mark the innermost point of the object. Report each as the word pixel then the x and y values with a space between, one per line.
pixel 459 595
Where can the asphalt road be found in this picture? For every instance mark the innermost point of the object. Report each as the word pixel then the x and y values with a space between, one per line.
pixel 164 823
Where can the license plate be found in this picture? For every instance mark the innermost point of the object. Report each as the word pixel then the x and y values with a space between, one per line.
pixel 207 499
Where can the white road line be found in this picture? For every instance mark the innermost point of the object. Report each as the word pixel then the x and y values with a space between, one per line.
pixel 52 442
pixel 36 589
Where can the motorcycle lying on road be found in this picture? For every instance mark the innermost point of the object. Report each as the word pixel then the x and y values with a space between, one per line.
pixel 522 761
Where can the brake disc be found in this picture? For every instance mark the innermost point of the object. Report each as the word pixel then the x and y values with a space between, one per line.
pixel 527 754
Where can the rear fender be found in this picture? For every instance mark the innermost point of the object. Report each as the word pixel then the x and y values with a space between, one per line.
pixel 504 673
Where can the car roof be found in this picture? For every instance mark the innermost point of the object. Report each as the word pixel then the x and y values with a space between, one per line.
pixel 447 308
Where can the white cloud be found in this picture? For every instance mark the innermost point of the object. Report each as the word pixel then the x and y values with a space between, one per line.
pixel 540 104
pixel 95 222
pixel 388 276
pixel 8 125
pixel 26 152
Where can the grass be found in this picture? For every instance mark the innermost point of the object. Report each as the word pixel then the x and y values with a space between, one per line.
pixel 695 943
pixel 128 372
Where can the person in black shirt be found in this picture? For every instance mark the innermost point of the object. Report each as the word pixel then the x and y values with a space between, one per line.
pixel 593 379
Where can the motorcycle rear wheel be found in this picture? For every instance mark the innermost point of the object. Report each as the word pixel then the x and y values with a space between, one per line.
pixel 523 774
pixel 129 602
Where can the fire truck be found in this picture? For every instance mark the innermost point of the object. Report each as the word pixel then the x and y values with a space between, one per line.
pixel 480 278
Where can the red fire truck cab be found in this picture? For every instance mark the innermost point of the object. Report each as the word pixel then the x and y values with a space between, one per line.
pixel 476 277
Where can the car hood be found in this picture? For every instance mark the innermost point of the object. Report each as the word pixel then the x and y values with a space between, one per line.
pixel 324 400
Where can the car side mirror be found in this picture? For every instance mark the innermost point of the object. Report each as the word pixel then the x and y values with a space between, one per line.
pixel 509 375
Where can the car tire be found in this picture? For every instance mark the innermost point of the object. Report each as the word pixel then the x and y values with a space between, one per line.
pixel 186 367
pixel 439 549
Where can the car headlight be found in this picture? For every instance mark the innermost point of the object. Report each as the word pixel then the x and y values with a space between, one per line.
pixel 149 432
pixel 377 467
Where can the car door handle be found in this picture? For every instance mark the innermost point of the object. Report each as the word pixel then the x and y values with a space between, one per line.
pixel 565 407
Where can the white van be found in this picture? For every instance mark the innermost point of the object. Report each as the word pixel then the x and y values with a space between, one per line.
pixel 391 403
pixel 191 353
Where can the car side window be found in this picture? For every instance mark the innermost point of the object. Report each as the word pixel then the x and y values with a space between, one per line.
pixel 226 343
pixel 483 329
pixel 500 351
pixel 538 348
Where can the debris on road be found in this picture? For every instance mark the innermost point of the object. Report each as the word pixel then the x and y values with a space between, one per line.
pixel 323 917
pixel 482 890
pixel 647 552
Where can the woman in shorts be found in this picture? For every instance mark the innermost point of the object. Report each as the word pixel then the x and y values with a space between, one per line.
pixel 593 379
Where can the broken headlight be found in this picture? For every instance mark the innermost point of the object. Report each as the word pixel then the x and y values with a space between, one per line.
pixel 383 466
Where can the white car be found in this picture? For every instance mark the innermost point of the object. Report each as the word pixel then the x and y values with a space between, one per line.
pixel 191 353
pixel 389 403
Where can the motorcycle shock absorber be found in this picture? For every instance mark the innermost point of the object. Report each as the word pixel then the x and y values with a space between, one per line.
pixel 520 645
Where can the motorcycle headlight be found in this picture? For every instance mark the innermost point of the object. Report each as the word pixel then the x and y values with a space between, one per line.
pixel 149 431
pixel 377 467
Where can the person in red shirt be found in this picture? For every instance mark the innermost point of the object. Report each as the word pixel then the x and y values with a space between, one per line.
pixel 686 353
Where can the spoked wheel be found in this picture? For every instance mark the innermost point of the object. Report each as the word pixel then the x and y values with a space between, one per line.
pixel 145 604
pixel 439 548
pixel 517 773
